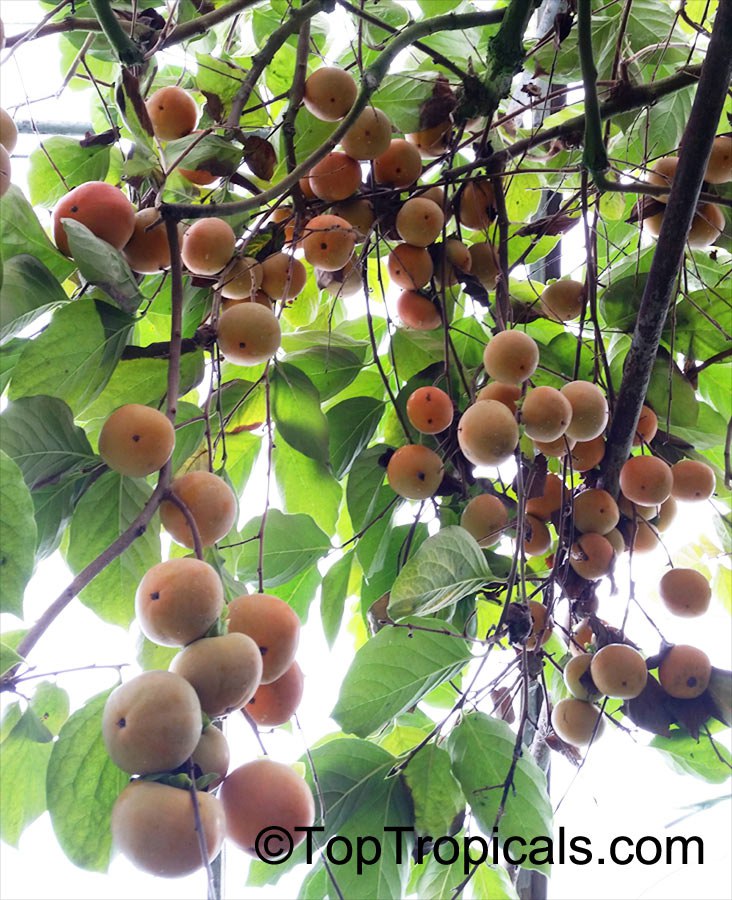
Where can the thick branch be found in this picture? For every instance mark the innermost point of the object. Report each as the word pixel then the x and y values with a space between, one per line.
pixel 659 290
pixel 128 53
pixel 594 157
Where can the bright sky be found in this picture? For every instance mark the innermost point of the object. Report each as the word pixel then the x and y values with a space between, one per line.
pixel 624 787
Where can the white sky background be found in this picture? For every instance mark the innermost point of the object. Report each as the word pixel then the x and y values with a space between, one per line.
pixel 624 787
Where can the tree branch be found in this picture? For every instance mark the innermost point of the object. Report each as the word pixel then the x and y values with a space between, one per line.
pixel 128 53
pixel 659 290
pixel 594 157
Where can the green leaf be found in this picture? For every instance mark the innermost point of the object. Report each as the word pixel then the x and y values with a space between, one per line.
pixel 367 498
pixel 9 355
pixel 393 670
pixel 40 435
pixel 103 265
pixel 143 381
pixel 415 350
pixel 28 290
pixel 523 196
pixel 330 367
pixel 297 413
pixel 386 11
pixel 706 760
pixel 482 750
pixel 669 387
pixel 21 232
pixel 22 778
pixel 72 359
pixel 82 784
pixel 8 658
pixel 435 880
pixel 401 96
pixel 436 793
pixel 360 800
pixel 212 154
pixel 60 164
pixel 447 567
pixel 333 596
pixel 51 705
pixel 351 425
pixel 190 430
pixel 299 592
pixel 17 536
pixel 291 544
pixel 104 512
pixel 307 486
pixel 401 540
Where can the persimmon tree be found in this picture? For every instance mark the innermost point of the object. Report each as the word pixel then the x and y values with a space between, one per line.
pixel 319 247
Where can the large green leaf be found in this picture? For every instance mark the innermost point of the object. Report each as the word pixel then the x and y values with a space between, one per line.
pixel 482 752
pixel 17 536
pixel 25 752
pixel 290 545
pixel 212 154
pixel 402 542
pixel 143 381
pixel 360 800
pixel 297 413
pixel 40 435
pixel 394 669
pixel 351 425
pixel 330 367
pixel 28 290
pixel 401 96
pixel 333 596
pixel 82 784
pixel 104 512
pixel 447 567
pixel 102 264
pixel 62 163
pixel 307 486
pixel 706 760
pixel 435 879
pixel 21 232
pixel 368 499
pixel 72 359
pixel 436 793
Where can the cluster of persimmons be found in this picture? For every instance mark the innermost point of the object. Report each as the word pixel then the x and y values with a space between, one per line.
pixel 241 655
